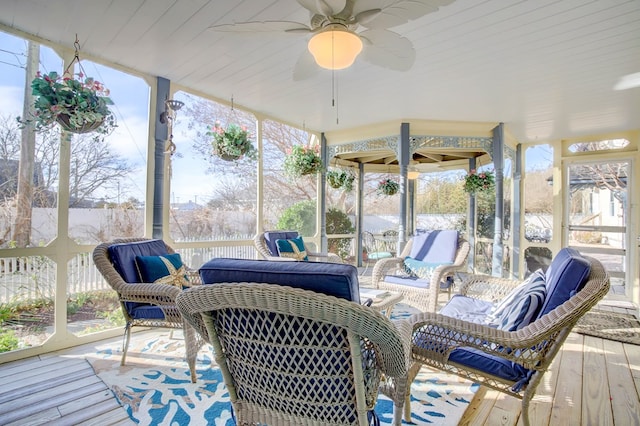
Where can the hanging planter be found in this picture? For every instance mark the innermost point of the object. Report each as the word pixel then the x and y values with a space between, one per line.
pixel 302 161
pixel 79 104
pixel 338 179
pixel 232 143
pixel 388 187
pixel 478 182
pixel 64 120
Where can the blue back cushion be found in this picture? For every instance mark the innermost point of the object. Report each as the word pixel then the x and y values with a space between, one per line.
pixel 435 246
pixel 270 238
pixel 566 275
pixel 123 257
pixel 334 279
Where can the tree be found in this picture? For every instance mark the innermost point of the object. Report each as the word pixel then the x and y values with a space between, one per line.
pixel 95 169
pixel 24 198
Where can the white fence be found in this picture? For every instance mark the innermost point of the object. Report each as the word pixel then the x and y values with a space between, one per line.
pixel 33 278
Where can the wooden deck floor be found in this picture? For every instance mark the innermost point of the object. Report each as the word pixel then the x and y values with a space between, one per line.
pixel 591 382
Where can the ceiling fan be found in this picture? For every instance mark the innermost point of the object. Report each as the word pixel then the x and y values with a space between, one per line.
pixel 349 25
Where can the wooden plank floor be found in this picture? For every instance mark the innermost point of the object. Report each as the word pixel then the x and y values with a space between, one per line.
pixel 55 389
pixel 591 382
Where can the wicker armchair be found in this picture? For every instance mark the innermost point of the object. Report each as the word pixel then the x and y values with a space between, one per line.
pixel 529 350
pixel 269 252
pixel 373 250
pixel 146 304
pixel 292 357
pixel 424 298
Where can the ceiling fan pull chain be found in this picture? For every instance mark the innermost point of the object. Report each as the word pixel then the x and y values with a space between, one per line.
pixel 337 99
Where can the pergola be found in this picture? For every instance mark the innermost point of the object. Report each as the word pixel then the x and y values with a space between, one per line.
pixel 408 154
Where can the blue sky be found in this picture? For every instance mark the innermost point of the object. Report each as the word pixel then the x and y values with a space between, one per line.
pixel 130 95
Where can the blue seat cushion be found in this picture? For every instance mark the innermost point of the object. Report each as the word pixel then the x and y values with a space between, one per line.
pixel 292 248
pixel 437 247
pixel 123 258
pixel 476 311
pixel 377 255
pixel 566 275
pixel 335 279
pixel 491 364
pixel 270 238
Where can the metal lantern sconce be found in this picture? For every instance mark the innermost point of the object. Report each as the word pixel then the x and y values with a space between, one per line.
pixel 167 117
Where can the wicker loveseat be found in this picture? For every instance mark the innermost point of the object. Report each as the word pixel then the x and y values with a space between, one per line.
pixel 303 353
pixel 512 356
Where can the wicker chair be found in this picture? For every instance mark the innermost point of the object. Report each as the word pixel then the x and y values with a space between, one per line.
pixel 261 244
pixel 293 357
pixel 530 349
pixel 147 304
pixel 425 299
pixel 374 249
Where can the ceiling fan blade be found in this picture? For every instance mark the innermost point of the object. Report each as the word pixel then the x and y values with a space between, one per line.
pixel 387 49
pixel 305 67
pixel 260 27
pixel 396 12
pixel 323 7
pixel 367 16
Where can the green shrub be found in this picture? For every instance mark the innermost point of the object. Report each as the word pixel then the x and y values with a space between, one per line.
pixel 301 217
pixel 8 341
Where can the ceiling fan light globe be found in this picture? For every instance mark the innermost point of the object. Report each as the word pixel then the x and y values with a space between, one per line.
pixel 335 47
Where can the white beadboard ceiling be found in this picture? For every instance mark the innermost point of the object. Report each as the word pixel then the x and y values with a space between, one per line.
pixel 545 68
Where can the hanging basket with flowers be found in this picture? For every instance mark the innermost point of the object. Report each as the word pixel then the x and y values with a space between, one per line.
pixel 302 160
pixel 388 187
pixel 79 104
pixel 340 179
pixel 232 143
pixel 476 181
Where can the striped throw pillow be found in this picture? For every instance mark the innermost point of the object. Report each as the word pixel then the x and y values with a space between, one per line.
pixel 521 306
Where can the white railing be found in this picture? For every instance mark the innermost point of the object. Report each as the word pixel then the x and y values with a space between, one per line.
pixel 28 279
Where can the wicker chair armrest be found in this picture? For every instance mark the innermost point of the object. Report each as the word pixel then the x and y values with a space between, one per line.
pixel 383 266
pixel 325 257
pixel 193 276
pixel 405 331
pixel 487 288
pixel 527 346
pixel 157 294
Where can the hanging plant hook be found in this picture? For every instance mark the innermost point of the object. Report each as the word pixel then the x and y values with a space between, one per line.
pixel 76 59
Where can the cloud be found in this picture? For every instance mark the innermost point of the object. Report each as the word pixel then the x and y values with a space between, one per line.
pixel 11 100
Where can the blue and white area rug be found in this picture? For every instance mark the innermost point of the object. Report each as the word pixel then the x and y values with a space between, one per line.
pixel 155 388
